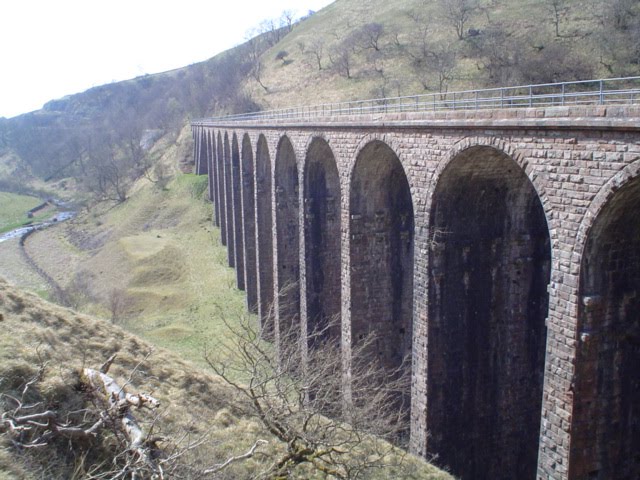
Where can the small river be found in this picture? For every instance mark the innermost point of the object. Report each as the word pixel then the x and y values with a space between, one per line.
pixel 18 232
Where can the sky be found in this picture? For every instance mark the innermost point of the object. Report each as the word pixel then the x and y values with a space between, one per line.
pixel 53 48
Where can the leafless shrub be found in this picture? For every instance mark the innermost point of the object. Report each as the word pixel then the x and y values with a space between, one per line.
pixel 95 429
pixel 118 302
pixel 457 13
pixel 316 48
pixel 299 394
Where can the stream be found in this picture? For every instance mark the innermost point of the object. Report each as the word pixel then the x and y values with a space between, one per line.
pixel 19 232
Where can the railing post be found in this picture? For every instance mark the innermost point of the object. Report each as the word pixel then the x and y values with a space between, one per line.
pixel 476 99
pixel 530 96
pixel 562 96
pixel 601 92
pixel 502 98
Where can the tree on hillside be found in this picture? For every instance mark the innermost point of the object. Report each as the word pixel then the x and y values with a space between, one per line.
pixel 369 35
pixel 342 56
pixel 282 55
pixel 499 54
pixel 112 165
pixel 618 36
pixel 433 63
pixel 458 13
pixel 558 9
pixel 316 48
pixel 287 19
pixel 298 396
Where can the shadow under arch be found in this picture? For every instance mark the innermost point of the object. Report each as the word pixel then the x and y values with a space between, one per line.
pixel 489 267
pixel 382 255
pixel 287 235
pixel 264 236
pixel 605 431
pixel 222 200
pixel 322 239
pixel 236 195
pixel 228 193
pixel 249 224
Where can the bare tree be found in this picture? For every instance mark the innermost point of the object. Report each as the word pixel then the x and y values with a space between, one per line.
pixel 621 14
pixel 287 18
pixel 558 10
pixel 618 36
pixel 108 417
pixel 457 13
pixel 437 68
pixel 342 55
pixel 297 396
pixel 256 47
pixel 118 302
pixel 500 54
pixel 433 63
pixel 104 431
pixel 316 48
pixel 370 35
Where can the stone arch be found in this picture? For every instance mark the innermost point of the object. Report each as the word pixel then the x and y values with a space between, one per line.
pixel 237 211
pixel 264 235
pixel 605 441
pixel 228 193
pixel 489 267
pixel 381 256
pixel 601 199
pixel 221 191
pixel 249 224
pixel 287 236
pixel 322 238
pixel 509 150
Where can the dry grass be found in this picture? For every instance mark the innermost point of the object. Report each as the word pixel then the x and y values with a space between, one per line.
pixel 35 332
pixel 196 405
pixel 159 249
pixel 299 82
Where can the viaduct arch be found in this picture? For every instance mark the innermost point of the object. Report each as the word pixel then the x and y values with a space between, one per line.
pixel 499 252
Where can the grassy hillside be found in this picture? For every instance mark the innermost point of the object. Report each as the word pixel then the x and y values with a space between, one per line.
pixel 153 264
pixel 36 332
pixel 417 48
pixel 198 410
pixel 13 210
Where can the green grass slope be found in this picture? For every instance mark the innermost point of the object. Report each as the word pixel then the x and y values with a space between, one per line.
pixel 513 42
pixel 198 410
pixel 153 264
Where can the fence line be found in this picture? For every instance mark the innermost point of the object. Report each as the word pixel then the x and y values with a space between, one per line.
pixel 609 91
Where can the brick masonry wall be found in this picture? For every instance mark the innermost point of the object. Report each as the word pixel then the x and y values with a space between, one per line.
pixel 575 158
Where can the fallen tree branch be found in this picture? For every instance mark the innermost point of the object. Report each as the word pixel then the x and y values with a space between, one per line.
pixel 118 405
pixel 244 456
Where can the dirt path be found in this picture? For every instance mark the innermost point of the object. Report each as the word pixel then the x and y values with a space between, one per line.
pixel 51 252
pixel 17 271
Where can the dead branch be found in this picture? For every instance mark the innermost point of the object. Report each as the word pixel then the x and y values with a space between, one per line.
pixel 244 456
pixel 118 406
pixel 298 397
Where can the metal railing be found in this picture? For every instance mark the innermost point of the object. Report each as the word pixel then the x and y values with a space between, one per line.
pixel 609 91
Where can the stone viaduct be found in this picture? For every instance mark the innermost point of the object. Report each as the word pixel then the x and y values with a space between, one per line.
pixel 498 249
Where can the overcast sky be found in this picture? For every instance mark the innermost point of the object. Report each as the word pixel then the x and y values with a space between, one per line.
pixel 52 48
